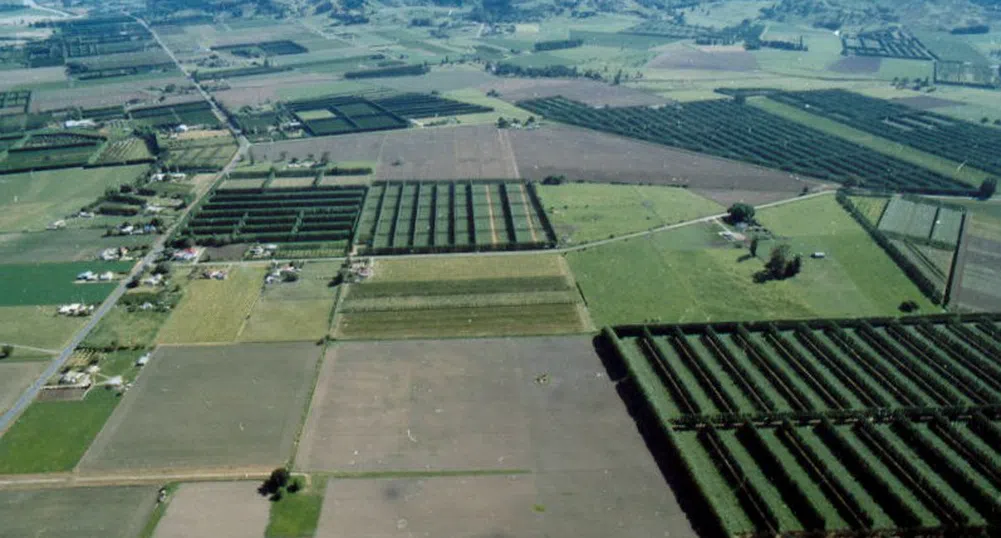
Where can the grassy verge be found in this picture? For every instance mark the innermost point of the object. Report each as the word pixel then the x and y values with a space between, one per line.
pixel 158 512
pixel 297 514
pixel 957 171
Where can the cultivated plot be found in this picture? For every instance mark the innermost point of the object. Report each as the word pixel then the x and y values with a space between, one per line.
pixel 579 154
pixel 294 311
pixel 217 509
pixel 107 512
pixel 541 405
pixel 214 310
pixel 464 152
pixel 209 406
pixel 15 377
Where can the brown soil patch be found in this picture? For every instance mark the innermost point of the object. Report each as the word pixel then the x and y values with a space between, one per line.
pixel 856 64
pixel 582 154
pixel 216 509
pixel 464 152
pixel 358 147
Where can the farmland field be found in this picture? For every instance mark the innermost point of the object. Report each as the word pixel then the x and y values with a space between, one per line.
pixel 923 220
pixel 389 408
pixel 713 127
pixel 281 215
pixel 586 155
pixel 453 153
pixel 217 509
pixel 15 377
pixel 871 207
pixel 223 406
pixel 467 296
pixel 727 378
pixel 97 512
pixel 214 310
pixel 582 212
pixel 37 326
pixel 44 197
pixel 419 217
pixel 55 283
pixel 689 275
pixel 960 142
pixel 119 327
pixel 290 311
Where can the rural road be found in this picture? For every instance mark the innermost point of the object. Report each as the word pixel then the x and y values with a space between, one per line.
pixel 29 395
pixel 32 5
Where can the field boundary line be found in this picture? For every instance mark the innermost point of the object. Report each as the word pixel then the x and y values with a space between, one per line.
pixel 510 157
pixel 43 350
pixel 308 407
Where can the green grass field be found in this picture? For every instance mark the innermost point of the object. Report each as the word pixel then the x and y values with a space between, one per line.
pixel 296 515
pixel 292 311
pixel 663 278
pixel 871 207
pixel 52 436
pixel 214 310
pixel 37 326
pixel 582 212
pixel 121 328
pixel 462 297
pixel 957 171
pixel 55 283
pixel 31 201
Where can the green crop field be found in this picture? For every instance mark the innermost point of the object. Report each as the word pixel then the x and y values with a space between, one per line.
pixel 93 512
pixel 668 277
pixel 31 201
pixel 214 310
pixel 200 406
pixel 55 283
pixel 289 311
pixel 462 297
pixel 871 207
pixel 121 328
pixel 582 212
pixel 52 436
pixel 719 395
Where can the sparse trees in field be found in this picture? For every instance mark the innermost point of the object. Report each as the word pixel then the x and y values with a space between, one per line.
pixel 781 264
pixel 162 268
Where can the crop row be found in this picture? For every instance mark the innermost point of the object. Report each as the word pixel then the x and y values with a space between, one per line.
pixel 826 427
pixel 440 216
pixel 886 43
pixel 731 130
pixel 960 141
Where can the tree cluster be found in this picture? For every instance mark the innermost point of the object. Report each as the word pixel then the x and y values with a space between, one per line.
pixel 6 351
pixel 740 212
pixel 278 484
pixel 550 71
pixel 987 188
pixel 782 264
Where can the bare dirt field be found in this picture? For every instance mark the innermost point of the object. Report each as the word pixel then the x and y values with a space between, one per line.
pixel 251 91
pixel 15 377
pixel 586 91
pixel 980 275
pixel 464 152
pixel 856 64
pixel 109 512
pixel 925 102
pixel 582 154
pixel 359 147
pixel 543 407
pixel 216 509
pixel 706 59
pixel 209 406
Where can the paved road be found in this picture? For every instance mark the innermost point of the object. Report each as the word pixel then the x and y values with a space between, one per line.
pixel 29 395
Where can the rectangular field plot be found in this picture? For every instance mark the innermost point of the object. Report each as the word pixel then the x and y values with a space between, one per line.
pixel 279 215
pixel 728 129
pixel 290 311
pixel 15 377
pixel 895 43
pixel 977 146
pixel 785 427
pixel 468 296
pixel 55 283
pixel 538 412
pixel 217 509
pixel 105 512
pixel 209 406
pixel 415 217
pixel 214 310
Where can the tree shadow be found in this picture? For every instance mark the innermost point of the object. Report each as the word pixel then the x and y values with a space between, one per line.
pixel 745 257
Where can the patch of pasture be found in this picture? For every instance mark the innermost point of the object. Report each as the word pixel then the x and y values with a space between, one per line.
pixel 582 212
pixel 68 245
pixel 214 310
pixel 651 278
pixel 105 512
pixel 217 509
pixel 55 283
pixel 37 326
pixel 33 200
pixel 234 406
pixel 290 311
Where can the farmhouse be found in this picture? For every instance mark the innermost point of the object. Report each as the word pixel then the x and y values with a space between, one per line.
pixel 88 276
pixel 106 276
pixel 75 309
pixel 187 255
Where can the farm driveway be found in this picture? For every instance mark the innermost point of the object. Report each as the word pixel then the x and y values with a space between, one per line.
pixel 215 509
